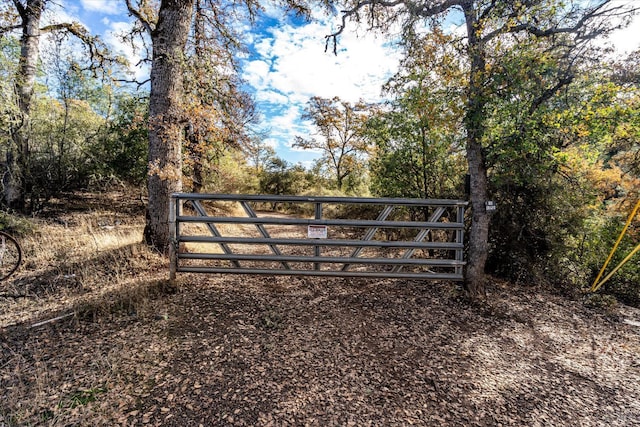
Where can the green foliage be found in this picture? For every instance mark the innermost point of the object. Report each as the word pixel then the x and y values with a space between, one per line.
pixel 340 139
pixel 9 52
pixel 82 397
pixel 556 145
pixel 61 140
pixel 603 125
pixel 534 226
pixel 417 138
pixel 280 177
pixel 258 153
pixel 541 172
pixel 73 141
pixel 272 319
pixel 540 205
pixel 124 150
pixel 412 160
pixel 228 173
pixel 625 284
pixel 15 225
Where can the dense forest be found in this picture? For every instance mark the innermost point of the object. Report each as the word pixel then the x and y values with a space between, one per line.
pixel 527 101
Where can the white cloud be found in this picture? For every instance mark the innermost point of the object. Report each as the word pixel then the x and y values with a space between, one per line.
pixel 626 40
pixel 109 7
pixel 62 12
pixel 271 142
pixel 302 68
pixel 285 125
pixel 256 74
pixel 272 97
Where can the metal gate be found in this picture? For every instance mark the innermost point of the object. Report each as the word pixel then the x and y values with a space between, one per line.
pixel 391 238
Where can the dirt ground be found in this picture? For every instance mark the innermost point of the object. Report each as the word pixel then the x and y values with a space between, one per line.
pixel 130 349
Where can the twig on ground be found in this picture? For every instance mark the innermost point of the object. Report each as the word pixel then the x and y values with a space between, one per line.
pixel 55 319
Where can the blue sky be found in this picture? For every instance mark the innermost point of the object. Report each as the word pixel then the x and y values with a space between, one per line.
pixel 287 64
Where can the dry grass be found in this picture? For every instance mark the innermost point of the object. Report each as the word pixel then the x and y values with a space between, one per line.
pixel 71 260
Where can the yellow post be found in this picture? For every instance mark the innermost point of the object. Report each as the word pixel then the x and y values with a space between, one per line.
pixel 595 286
pixel 623 262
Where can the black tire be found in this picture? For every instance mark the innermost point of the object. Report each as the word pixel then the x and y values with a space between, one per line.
pixel 10 255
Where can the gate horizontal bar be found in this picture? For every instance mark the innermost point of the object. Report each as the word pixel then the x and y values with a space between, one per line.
pixel 334 222
pixel 337 260
pixel 320 199
pixel 330 273
pixel 322 242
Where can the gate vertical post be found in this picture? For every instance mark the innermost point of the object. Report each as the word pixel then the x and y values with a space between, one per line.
pixel 460 240
pixel 316 249
pixel 174 210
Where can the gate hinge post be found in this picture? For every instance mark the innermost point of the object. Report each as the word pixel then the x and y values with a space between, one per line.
pixel 174 201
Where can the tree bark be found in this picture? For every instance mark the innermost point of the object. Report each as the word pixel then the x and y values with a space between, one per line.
pixel 166 124
pixel 16 179
pixel 195 144
pixel 475 126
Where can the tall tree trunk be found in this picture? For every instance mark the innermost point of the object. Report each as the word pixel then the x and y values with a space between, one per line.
pixel 195 144
pixel 475 127
pixel 166 127
pixel 16 181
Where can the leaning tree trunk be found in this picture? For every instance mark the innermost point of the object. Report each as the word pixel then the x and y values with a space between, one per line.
pixel 16 179
pixel 475 126
pixel 165 117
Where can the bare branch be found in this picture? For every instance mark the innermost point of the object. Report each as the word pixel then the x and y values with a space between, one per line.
pixel 55 319
pixel 346 14
pixel 136 14
pixel 138 83
pixel 597 11
pixel 98 52
pixel 424 11
pixel 431 9
pixel 73 28
pixel 8 29
pixel 20 8
pixel 548 93
pixel 435 9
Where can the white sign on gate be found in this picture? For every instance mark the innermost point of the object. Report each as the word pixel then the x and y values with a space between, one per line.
pixel 317 231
